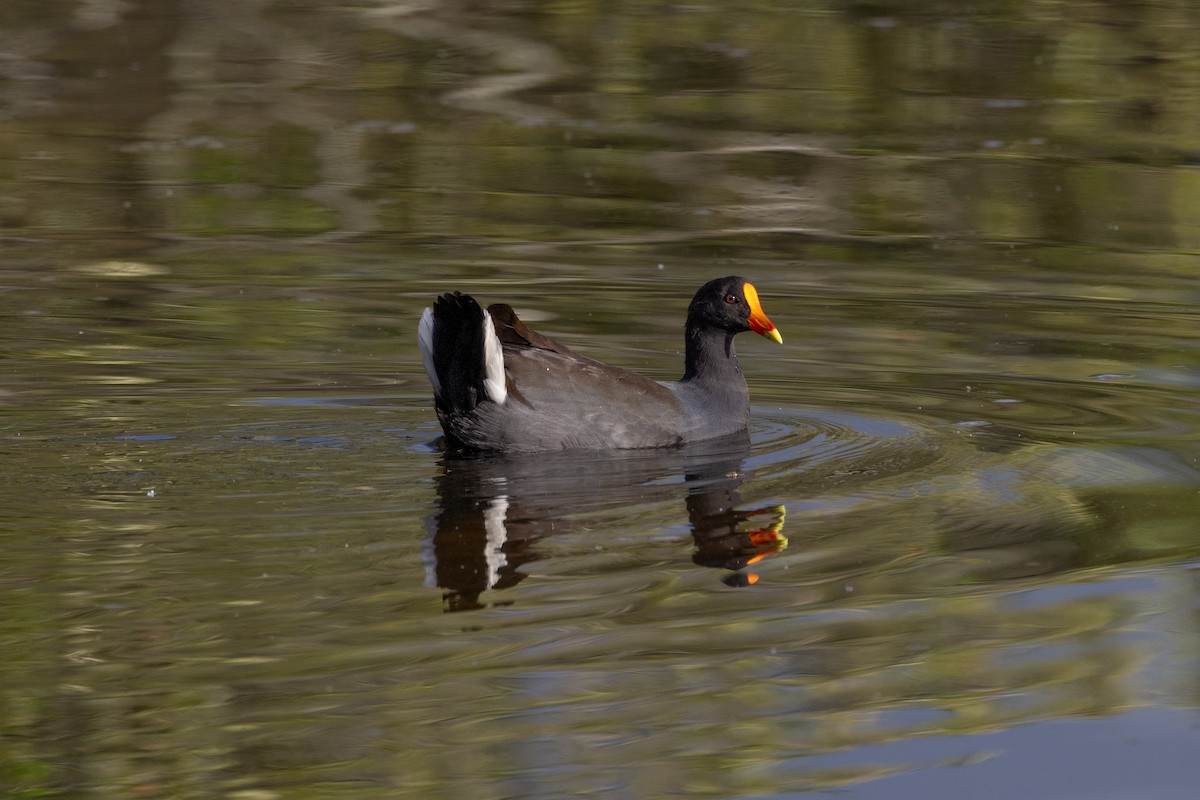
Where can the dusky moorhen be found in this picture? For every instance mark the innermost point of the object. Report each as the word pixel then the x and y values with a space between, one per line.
pixel 500 386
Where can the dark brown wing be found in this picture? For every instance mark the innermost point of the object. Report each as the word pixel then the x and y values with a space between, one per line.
pixel 512 331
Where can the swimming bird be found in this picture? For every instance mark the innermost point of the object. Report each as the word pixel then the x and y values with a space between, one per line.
pixel 500 386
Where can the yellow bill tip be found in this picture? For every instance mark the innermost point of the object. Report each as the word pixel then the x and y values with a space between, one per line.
pixel 759 323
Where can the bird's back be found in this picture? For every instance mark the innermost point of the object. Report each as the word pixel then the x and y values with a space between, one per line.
pixel 564 400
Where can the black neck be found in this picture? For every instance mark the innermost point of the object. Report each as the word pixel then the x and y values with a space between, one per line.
pixel 709 356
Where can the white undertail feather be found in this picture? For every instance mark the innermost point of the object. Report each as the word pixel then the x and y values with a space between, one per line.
pixel 493 363
pixel 425 345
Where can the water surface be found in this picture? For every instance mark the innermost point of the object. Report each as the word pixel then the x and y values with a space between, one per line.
pixel 955 555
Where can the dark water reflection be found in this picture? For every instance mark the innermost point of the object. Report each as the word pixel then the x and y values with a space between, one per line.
pixel 957 556
pixel 493 510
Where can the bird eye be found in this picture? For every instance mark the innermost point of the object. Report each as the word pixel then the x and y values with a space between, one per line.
pixel 730 299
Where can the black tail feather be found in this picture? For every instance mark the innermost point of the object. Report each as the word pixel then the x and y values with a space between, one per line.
pixel 458 352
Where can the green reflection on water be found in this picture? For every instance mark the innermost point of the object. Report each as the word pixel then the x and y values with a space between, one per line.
pixel 581 122
pixel 218 497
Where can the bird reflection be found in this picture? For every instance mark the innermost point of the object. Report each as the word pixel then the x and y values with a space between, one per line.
pixel 493 509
